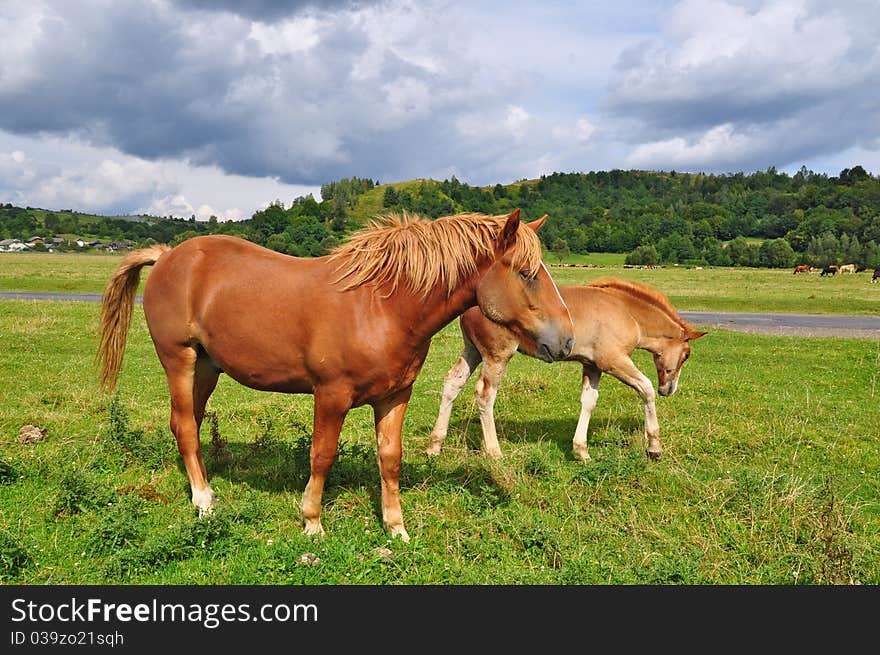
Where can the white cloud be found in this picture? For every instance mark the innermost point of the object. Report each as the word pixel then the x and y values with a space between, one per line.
pixel 59 174
pixel 290 36
pixel 719 144
pixel 517 121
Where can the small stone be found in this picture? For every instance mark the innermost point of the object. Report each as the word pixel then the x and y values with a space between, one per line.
pixel 31 434
pixel 384 553
pixel 308 559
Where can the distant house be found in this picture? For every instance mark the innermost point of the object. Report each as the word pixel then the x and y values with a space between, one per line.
pixel 35 240
pixel 13 245
pixel 58 240
pixel 80 243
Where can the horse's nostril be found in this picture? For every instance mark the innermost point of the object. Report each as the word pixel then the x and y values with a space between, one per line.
pixel 569 344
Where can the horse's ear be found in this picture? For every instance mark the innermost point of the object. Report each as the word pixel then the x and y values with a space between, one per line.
pixel 508 234
pixel 694 334
pixel 536 225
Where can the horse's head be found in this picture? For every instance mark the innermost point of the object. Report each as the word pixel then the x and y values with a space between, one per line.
pixel 670 358
pixel 517 291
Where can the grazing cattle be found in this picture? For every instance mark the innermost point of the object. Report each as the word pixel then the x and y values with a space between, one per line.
pixel 847 268
pixel 611 318
pixel 802 268
pixel 876 275
pixel 351 328
pixel 861 268
pixel 830 269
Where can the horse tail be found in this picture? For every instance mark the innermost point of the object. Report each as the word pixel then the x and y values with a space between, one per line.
pixel 117 305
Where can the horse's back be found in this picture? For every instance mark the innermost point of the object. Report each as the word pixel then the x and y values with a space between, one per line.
pixel 241 303
pixel 602 322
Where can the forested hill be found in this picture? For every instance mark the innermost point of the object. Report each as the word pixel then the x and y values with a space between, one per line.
pixel 759 219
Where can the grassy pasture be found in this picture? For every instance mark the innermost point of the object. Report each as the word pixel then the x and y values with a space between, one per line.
pixel 770 473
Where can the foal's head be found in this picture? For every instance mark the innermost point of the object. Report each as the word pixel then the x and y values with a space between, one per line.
pixel 670 358
pixel 518 292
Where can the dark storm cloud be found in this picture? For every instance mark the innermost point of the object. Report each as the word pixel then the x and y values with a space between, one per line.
pixel 267 10
pixel 303 101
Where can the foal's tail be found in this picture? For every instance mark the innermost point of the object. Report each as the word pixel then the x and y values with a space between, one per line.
pixel 117 306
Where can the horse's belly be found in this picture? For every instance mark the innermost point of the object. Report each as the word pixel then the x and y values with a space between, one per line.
pixel 261 369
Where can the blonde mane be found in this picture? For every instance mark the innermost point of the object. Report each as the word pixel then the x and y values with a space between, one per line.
pixel 645 293
pixel 420 254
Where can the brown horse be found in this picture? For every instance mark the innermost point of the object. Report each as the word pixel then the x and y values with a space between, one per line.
pixel 352 328
pixel 611 318
pixel 803 268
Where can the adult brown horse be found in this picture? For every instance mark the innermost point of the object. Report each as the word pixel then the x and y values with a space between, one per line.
pixel 352 328
pixel 611 318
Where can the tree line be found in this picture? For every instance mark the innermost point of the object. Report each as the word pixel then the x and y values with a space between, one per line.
pixel 766 218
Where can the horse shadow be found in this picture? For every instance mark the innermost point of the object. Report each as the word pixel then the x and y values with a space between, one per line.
pixel 558 432
pixel 282 464
pixel 274 463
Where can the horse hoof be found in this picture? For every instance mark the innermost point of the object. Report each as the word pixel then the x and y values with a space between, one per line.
pixel 653 454
pixel 400 532
pixel 205 501
pixel 314 528
pixel 581 454
pixel 432 451
pixel 494 453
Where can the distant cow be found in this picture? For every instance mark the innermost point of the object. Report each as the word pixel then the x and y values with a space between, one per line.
pixel 847 268
pixel 802 268
pixel 830 269
pixel 876 275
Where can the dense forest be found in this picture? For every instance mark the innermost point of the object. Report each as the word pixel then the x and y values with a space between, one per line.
pixel 767 218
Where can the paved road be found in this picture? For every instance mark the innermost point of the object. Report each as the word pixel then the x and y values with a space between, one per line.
pixel 810 325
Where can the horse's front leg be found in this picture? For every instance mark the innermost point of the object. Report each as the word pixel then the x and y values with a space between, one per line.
pixel 589 398
pixel 330 411
pixel 389 415
pixel 628 373
pixel 486 389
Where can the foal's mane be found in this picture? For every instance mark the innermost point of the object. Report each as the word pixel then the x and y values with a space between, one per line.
pixel 407 249
pixel 644 293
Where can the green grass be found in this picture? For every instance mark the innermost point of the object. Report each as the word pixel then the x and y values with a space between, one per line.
pixel 58 272
pixel 770 473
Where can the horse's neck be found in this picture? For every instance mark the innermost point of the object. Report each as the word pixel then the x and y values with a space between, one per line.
pixel 655 325
pixel 426 316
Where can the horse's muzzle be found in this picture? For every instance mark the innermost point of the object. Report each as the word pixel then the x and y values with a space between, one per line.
pixel 547 353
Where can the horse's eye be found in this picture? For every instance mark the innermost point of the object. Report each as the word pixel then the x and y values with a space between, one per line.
pixel 525 275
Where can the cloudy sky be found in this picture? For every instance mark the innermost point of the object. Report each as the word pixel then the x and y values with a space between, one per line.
pixel 181 107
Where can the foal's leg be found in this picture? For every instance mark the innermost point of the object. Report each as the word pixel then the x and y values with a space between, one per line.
pixel 589 398
pixel 330 411
pixel 486 389
pixel 452 385
pixel 181 371
pixel 628 373
pixel 389 425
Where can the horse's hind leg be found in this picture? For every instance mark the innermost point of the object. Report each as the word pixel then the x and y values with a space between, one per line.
pixel 452 385
pixel 204 383
pixel 189 384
